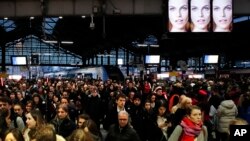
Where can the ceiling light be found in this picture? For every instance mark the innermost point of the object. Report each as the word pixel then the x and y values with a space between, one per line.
pixel 50 41
pixel 83 16
pixel 60 17
pixel 31 18
pixel 67 42
pixel 6 18
pixel 154 45
pixel 142 45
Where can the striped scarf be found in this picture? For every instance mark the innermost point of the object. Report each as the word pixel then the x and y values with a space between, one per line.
pixel 191 130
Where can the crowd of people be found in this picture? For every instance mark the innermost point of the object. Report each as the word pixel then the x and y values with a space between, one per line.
pixel 130 110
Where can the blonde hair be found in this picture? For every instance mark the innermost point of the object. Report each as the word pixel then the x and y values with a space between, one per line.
pixel 80 135
pixel 238 121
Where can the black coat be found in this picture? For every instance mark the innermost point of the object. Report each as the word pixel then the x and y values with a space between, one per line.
pixel 125 134
pixel 64 127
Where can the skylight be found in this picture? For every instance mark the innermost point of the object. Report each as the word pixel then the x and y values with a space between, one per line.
pixel 241 19
pixel 49 24
pixel 8 25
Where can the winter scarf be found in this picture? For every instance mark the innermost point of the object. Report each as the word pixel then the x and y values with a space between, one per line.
pixel 190 129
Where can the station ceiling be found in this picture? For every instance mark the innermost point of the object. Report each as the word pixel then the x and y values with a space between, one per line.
pixel 112 31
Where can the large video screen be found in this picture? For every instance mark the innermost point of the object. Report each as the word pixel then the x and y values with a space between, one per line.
pixel 152 59
pixel 211 59
pixel 18 60
pixel 200 15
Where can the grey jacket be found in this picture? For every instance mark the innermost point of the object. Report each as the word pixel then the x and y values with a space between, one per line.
pixel 175 136
pixel 226 112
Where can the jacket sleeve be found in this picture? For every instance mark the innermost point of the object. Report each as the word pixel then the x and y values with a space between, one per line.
pixel 205 132
pixel 176 134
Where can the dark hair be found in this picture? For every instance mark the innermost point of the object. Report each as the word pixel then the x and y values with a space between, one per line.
pixel 120 96
pixel 92 127
pixel 16 133
pixel 3 124
pixel 84 116
pixel 36 114
pixel 5 99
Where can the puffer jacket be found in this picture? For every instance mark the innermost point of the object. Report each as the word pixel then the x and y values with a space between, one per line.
pixel 226 112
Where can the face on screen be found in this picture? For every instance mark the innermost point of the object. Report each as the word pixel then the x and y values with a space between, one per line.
pixel 178 15
pixel 222 15
pixel 200 15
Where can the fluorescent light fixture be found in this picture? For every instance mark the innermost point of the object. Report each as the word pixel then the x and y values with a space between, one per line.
pixel 50 41
pixel 154 45
pixel 142 45
pixel 83 16
pixel 67 42
pixel 6 18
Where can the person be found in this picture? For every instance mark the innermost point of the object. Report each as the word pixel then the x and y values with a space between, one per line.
pixel 200 15
pixel 226 112
pixel 64 126
pixel 79 135
pixel 222 15
pixel 4 122
pixel 14 135
pixel 19 120
pixel 90 127
pixel 178 15
pixel 236 121
pixel 191 127
pixel 34 120
pixel 122 131
pixel 45 132
pixel 81 119
pixel 111 116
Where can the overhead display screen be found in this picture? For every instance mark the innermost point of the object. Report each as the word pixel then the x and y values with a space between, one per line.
pixel 200 16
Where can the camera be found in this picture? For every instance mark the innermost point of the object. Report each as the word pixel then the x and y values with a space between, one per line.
pixel 92 25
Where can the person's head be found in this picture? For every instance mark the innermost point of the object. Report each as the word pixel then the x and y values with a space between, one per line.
pixel 222 15
pixel 64 100
pixel 81 119
pixel 34 119
pixel 36 98
pixel 18 109
pixel 178 15
pixel 19 95
pixel 5 102
pixel 29 106
pixel 200 15
pixel 194 114
pixel 80 135
pixel 44 133
pixel 147 105
pixel 137 100
pixel 238 121
pixel 90 126
pixel 62 111
pixel 123 118
pixel 14 135
pixel 162 109
pixel 187 102
pixel 121 100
